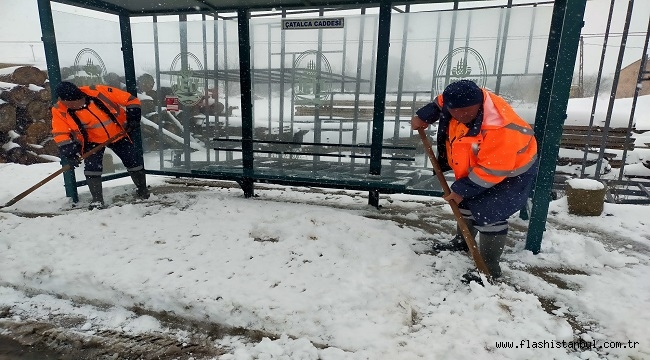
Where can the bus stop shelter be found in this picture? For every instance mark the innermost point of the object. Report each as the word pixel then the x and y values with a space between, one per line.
pixel 342 93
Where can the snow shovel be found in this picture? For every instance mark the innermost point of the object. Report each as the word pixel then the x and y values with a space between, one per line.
pixel 469 239
pixel 60 171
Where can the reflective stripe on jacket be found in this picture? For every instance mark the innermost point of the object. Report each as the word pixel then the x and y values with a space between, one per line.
pixel 97 125
pixel 499 144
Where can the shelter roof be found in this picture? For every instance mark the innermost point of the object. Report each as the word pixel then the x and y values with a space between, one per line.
pixel 168 7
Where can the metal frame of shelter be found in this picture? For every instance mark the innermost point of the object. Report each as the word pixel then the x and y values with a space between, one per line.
pixel 564 32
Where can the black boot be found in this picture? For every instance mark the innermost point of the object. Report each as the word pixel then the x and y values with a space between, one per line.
pixel 139 178
pixel 458 242
pixel 491 247
pixel 95 187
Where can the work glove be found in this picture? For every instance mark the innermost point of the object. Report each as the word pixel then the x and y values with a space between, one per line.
pixel 74 160
pixel 133 116
pixel 70 152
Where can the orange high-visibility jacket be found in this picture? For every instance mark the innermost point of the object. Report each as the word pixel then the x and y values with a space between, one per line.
pixel 96 126
pixel 504 147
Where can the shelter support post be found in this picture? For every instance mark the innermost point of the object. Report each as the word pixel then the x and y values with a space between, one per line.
pixel 566 23
pixel 54 76
pixel 381 70
pixel 129 72
pixel 246 87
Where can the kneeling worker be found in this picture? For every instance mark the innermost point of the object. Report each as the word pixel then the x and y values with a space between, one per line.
pixel 493 154
pixel 86 117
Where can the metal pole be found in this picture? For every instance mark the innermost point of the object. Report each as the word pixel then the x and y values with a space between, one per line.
pixel 226 85
pixel 185 114
pixel 496 48
pixel 127 55
pixel 506 27
pixel 206 127
pixel 597 90
pixel 357 88
pixel 54 75
pixel 612 96
pixel 400 81
pixel 293 90
pixel 469 29
pixel 434 77
pixel 345 42
pixel 215 66
pixel 129 74
pixel 245 82
pixel 252 57
pixel 452 37
pixel 530 37
pixel 637 88
pixel 156 50
pixel 383 45
pixel 282 73
pixel 581 70
pixel 317 92
pixel 566 23
pixel 373 58
pixel 268 65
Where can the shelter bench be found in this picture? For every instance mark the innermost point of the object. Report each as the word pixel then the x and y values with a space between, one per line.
pixel 300 164
pixel 364 111
pixel 577 138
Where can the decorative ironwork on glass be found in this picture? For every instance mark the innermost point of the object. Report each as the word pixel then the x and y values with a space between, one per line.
pixel 89 69
pixel 187 79
pixel 463 63
pixel 310 87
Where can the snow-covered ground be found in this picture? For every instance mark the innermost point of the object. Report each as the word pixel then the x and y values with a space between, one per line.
pixel 321 272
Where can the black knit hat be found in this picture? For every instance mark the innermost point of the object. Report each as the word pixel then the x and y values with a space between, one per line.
pixel 462 94
pixel 68 91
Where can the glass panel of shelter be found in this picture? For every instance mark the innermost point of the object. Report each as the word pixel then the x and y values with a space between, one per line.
pixel 197 99
pixel 502 49
pixel 88 60
pixel 297 75
pixel 313 90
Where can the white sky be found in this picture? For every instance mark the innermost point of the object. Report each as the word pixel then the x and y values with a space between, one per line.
pixel 19 25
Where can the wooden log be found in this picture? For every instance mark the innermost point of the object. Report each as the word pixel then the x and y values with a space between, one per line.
pixel 14 153
pixel 41 150
pixel 26 143
pixel 148 106
pixel 37 132
pixel 50 147
pixel 21 155
pixel 25 75
pixel 39 110
pixel 23 120
pixel 18 95
pixel 44 94
pixel 21 141
pixel 7 117
pixel 4 138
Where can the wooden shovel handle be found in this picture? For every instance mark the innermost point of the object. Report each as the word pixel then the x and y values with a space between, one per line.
pixel 60 171
pixel 469 239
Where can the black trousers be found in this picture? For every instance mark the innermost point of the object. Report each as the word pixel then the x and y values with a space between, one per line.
pixel 123 148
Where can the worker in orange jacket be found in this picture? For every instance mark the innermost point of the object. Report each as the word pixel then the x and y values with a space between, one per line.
pixel 493 154
pixel 86 117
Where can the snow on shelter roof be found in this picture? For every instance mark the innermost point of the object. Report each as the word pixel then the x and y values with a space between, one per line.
pixel 161 7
